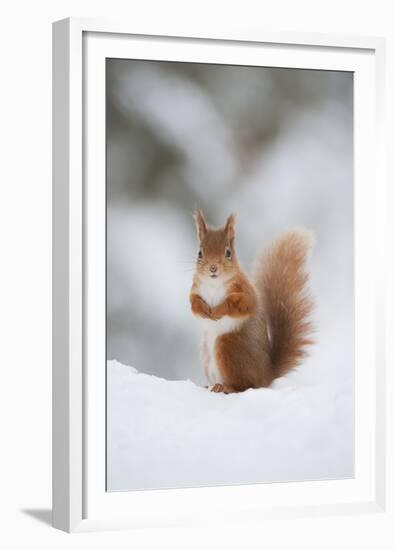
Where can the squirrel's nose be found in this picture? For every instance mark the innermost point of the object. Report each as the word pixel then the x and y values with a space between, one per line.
pixel 213 268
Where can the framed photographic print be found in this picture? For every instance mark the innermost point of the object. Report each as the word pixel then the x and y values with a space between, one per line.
pixel 218 268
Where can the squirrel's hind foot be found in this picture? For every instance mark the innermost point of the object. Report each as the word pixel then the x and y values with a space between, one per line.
pixel 223 388
pixel 217 388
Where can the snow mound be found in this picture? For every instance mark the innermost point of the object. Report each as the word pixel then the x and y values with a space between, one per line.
pixel 165 433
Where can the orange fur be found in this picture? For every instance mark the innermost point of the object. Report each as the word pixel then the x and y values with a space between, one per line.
pixel 275 304
pixel 241 300
pixel 281 280
pixel 199 306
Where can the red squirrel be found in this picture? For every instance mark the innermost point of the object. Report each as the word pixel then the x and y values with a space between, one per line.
pixel 254 330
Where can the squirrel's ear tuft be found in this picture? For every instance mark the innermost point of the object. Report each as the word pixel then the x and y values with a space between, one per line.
pixel 201 225
pixel 230 227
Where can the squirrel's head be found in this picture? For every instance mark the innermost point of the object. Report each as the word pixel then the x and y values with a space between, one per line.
pixel 216 257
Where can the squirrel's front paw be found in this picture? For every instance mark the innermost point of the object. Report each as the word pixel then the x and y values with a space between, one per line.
pixel 216 313
pixel 205 314
pixel 217 388
pixel 215 317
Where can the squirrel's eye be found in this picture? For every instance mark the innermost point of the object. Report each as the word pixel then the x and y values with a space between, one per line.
pixel 200 254
pixel 228 253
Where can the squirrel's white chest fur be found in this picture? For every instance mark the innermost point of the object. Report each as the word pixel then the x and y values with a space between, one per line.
pixel 213 293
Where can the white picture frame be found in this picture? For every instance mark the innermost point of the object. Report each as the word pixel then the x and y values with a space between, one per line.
pixel 80 501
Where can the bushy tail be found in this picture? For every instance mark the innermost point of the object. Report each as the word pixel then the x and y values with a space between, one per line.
pixel 281 280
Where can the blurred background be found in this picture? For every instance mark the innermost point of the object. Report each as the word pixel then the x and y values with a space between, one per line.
pixel 273 145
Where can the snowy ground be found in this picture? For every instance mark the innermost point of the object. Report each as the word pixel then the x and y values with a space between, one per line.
pixel 165 433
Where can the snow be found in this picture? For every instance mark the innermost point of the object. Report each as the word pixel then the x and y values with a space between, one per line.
pixel 164 433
